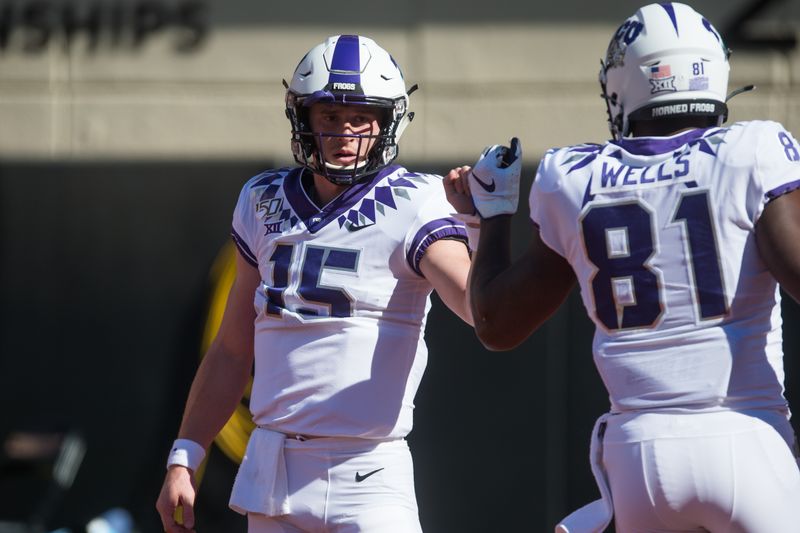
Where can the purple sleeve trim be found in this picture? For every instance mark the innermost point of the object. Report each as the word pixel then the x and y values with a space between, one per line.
pixel 443 228
pixel 244 249
pixel 783 189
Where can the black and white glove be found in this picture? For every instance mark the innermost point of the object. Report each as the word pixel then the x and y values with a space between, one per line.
pixel 494 180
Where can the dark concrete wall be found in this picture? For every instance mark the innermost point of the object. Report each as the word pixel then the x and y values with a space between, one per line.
pixel 104 276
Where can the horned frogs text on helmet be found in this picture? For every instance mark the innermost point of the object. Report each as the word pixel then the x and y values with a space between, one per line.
pixel 666 60
pixel 347 69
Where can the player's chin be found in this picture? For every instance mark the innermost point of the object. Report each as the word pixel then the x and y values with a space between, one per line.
pixel 343 160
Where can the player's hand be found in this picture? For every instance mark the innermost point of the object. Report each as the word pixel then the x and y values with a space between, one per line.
pixel 494 181
pixel 456 189
pixel 178 491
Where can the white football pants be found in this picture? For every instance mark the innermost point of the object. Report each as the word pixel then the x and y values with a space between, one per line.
pixel 346 486
pixel 719 472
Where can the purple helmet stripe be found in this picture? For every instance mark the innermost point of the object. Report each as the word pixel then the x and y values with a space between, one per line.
pixel 707 25
pixel 671 12
pixel 346 61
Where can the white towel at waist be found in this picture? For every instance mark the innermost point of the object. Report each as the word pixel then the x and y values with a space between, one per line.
pixel 593 517
pixel 261 484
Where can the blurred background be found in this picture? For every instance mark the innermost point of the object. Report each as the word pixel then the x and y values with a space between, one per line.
pixel 127 128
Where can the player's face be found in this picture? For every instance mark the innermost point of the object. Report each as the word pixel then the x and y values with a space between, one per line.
pixel 346 122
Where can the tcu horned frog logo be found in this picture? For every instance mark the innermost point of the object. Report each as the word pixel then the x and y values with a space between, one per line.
pixel 626 34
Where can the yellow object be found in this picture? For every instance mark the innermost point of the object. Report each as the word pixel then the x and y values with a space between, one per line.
pixel 233 437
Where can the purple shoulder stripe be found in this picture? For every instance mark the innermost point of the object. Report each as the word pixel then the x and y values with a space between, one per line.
pixel 443 228
pixel 244 249
pixel 781 190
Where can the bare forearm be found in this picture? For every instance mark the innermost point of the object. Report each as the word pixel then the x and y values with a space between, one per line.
pixel 511 300
pixel 494 290
pixel 490 260
pixel 216 390
pixel 446 266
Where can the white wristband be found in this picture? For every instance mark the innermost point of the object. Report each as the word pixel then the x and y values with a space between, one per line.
pixel 186 453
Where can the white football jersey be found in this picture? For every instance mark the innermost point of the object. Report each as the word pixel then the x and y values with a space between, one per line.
pixel 660 234
pixel 339 347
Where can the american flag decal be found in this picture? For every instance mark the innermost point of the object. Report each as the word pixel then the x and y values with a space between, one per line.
pixel 661 79
pixel 660 71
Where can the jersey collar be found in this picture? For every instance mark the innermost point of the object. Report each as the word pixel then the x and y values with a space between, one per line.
pixel 659 145
pixel 315 218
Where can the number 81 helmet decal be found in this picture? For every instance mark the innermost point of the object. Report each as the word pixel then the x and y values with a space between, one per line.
pixel 348 69
pixel 666 60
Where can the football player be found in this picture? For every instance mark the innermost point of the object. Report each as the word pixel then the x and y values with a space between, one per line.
pixel 337 259
pixel 679 232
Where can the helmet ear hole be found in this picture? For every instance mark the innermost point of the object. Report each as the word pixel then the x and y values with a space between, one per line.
pixel 385 119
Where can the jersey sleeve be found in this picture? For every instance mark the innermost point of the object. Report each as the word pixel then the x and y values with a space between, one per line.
pixel 433 221
pixel 242 227
pixel 544 205
pixel 777 165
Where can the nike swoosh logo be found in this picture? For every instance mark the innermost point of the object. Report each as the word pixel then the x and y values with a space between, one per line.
pixel 353 227
pixel 488 187
pixel 360 478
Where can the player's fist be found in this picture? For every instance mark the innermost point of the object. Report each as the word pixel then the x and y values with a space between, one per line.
pixel 494 180
pixel 175 503
pixel 456 189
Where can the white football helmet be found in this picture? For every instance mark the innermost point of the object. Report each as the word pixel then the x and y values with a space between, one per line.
pixel 666 60
pixel 354 70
